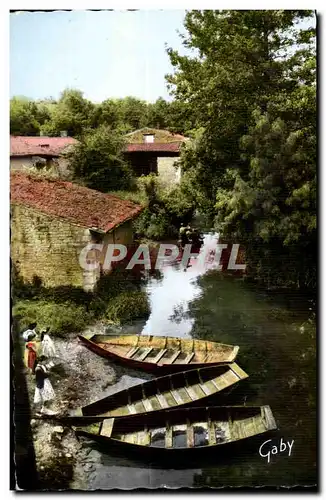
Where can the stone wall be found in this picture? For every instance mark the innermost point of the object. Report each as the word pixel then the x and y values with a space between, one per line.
pixel 49 248
pixel 46 247
pixel 54 166
pixel 168 171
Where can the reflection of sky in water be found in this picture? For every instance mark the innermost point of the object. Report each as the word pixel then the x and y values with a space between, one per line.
pixel 177 288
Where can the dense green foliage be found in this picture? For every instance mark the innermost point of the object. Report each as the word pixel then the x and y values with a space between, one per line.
pixel 70 309
pixel 74 114
pixel 26 117
pixel 251 82
pixel 165 209
pixel 128 306
pixel 61 318
pixel 98 162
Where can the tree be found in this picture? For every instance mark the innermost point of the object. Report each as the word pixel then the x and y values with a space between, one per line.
pixel 72 114
pixel 98 161
pixel 251 82
pixel 158 113
pixel 134 113
pixel 237 67
pixel 23 117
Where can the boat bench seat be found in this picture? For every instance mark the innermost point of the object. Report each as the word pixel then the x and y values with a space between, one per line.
pixel 177 396
pixel 163 402
pixel 168 436
pixel 190 435
pixel 159 356
pixel 189 358
pixel 147 404
pixel 107 427
pixel 132 352
pixel 143 355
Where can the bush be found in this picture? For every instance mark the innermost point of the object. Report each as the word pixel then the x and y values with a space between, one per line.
pixel 98 161
pixel 178 206
pixel 61 318
pixel 166 209
pixel 128 306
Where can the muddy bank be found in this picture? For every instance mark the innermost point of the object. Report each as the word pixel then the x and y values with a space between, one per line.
pixel 78 378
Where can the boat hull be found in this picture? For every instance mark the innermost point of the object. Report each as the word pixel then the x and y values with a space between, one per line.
pixel 160 368
pixel 224 428
pixel 170 391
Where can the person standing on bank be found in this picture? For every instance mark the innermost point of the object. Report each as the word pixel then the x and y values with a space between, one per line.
pixel 47 344
pixel 43 391
pixel 30 331
pixel 31 352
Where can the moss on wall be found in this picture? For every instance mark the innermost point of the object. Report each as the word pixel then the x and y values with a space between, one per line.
pixel 46 247
pixel 49 248
pixel 162 136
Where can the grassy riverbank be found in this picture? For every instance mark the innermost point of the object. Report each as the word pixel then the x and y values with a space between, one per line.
pixel 118 298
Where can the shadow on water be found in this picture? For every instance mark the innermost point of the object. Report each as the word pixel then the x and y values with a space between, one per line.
pixel 113 454
pixel 277 341
pixel 26 477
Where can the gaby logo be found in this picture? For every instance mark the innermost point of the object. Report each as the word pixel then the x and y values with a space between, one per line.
pixel 95 255
pixel 268 448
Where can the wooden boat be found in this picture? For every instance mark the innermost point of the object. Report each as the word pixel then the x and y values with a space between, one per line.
pixel 183 429
pixel 174 390
pixel 161 354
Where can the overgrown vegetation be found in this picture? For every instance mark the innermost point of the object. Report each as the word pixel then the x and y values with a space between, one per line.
pixel 128 306
pixel 252 165
pixel 61 318
pixel 118 298
pixel 97 161
pixel 165 208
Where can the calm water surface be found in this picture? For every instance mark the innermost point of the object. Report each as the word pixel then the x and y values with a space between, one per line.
pixel 277 350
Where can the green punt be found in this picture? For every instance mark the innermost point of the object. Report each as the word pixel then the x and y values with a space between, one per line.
pixel 182 429
pixel 171 391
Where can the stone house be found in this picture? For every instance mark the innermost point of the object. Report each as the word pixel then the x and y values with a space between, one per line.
pixel 41 153
pixel 155 151
pixel 53 220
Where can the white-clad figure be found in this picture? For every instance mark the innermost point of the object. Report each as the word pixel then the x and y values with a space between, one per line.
pixel 43 391
pixel 30 332
pixel 48 348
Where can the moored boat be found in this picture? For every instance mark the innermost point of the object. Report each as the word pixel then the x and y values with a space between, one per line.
pixel 183 429
pixel 170 391
pixel 161 354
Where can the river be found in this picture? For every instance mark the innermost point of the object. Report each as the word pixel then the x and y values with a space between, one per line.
pixel 277 350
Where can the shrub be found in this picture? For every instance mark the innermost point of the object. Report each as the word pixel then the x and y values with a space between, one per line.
pixel 128 306
pixel 178 206
pixel 61 318
pixel 166 209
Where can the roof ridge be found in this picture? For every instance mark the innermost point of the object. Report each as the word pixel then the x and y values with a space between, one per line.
pixel 77 204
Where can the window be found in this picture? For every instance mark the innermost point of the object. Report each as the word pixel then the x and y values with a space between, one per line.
pixel 148 137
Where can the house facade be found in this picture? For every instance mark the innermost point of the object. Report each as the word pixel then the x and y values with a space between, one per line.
pixel 155 151
pixel 45 154
pixel 49 231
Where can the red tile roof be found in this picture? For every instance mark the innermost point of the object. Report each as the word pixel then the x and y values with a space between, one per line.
pixel 77 204
pixel 168 147
pixel 39 146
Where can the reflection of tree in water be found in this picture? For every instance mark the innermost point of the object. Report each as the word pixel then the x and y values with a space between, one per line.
pixel 277 350
pixel 180 313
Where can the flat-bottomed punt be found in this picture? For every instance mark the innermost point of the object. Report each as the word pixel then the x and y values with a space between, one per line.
pixel 174 390
pixel 183 429
pixel 161 354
